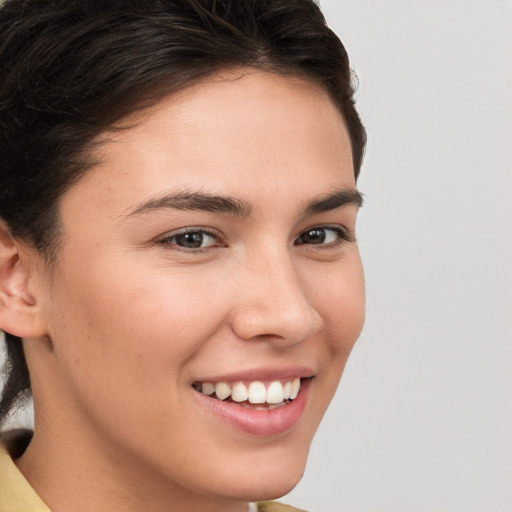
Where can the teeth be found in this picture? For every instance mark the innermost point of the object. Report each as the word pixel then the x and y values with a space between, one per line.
pixel 287 389
pixel 222 390
pixel 239 393
pixel 257 393
pixel 208 388
pixel 295 389
pixel 275 395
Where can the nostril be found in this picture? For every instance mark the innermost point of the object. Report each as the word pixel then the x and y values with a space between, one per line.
pixel 291 323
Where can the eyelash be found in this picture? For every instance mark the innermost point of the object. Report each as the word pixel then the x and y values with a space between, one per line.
pixel 342 236
pixel 167 240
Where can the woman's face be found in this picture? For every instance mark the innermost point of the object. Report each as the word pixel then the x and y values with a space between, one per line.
pixel 213 246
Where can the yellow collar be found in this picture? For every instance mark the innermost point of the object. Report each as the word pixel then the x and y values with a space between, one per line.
pixel 15 492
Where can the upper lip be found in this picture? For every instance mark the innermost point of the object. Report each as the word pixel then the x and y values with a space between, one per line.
pixel 261 374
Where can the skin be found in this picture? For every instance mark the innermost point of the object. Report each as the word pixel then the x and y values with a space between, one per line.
pixel 128 320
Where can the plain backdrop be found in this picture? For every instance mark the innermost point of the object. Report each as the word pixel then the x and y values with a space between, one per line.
pixel 422 421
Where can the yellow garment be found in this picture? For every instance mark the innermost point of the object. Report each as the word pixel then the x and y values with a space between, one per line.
pixel 274 506
pixel 17 495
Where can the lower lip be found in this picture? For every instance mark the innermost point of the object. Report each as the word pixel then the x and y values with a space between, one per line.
pixel 265 422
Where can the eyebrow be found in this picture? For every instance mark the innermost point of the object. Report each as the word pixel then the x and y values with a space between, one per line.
pixel 196 201
pixel 201 201
pixel 335 200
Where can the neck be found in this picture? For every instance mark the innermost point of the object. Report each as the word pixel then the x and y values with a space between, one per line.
pixel 69 474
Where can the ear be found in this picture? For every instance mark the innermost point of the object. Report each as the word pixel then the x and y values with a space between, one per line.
pixel 20 314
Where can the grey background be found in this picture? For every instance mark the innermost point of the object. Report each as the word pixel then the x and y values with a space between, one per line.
pixel 423 418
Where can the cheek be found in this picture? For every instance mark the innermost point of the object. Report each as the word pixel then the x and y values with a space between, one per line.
pixel 342 303
pixel 340 298
pixel 129 331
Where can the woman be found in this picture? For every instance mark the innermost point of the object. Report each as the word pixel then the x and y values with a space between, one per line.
pixel 178 265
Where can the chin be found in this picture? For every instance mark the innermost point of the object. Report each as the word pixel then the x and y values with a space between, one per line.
pixel 265 491
pixel 275 490
pixel 269 479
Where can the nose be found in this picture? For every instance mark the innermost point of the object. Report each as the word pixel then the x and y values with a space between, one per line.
pixel 274 303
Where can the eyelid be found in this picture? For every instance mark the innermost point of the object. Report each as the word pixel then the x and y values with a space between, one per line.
pixel 345 235
pixel 164 240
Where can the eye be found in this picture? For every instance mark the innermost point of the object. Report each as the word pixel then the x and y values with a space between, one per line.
pixel 192 239
pixel 323 236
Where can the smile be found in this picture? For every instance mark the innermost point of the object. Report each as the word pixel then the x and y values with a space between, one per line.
pixel 255 394
pixel 259 401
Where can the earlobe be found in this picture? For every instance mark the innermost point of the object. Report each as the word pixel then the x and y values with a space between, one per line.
pixel 20 314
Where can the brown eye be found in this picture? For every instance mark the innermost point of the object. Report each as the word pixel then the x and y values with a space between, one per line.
pixel 322 236
pixel 313 236
pixel 191 240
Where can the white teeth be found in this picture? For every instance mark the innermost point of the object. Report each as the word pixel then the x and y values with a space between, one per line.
pixel 239 393
pixel 295 389
pixel 276 406
pixel 208 388
pixel 287 389
pixel 222 390
pixel 257 393
pixel 275 394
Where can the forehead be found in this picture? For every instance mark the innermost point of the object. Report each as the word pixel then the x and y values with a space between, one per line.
pixel 233 133
pixel 243 110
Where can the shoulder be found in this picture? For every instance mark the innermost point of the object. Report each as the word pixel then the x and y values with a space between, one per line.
pixel 275 506
pixel 15 492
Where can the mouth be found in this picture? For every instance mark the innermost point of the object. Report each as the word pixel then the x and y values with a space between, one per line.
pixel 257 407
pixel 256 394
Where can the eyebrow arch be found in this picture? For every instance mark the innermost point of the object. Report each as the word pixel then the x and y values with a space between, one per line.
pixel 332 201
pixel 196 201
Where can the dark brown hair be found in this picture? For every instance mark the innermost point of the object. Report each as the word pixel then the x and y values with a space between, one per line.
pixel 70 69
